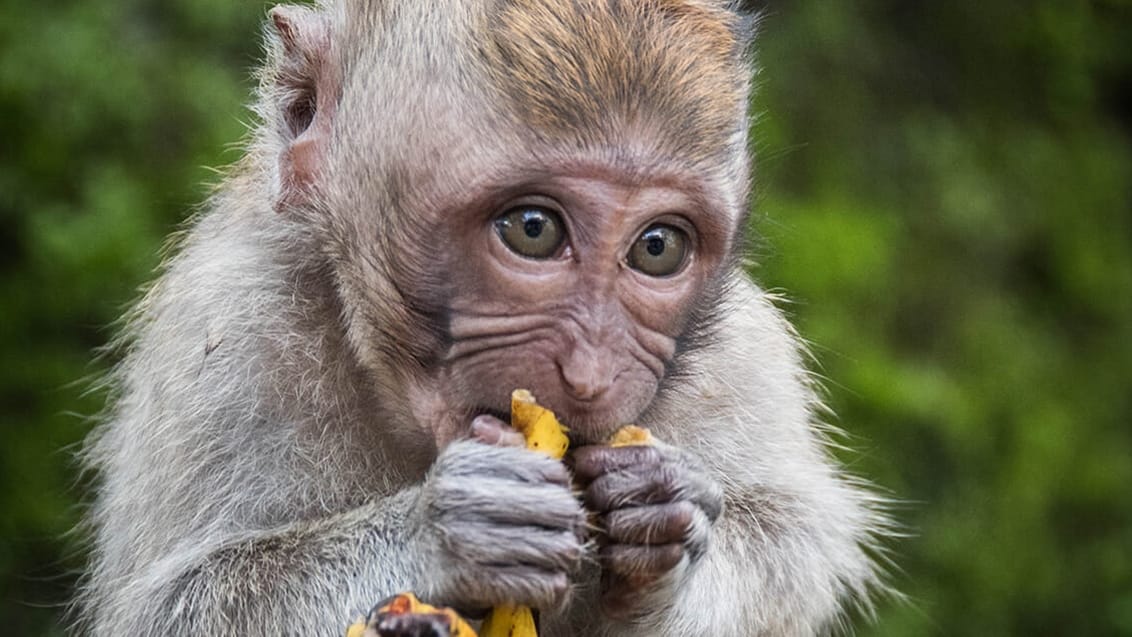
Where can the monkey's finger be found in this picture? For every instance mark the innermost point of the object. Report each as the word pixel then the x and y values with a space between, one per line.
pixel 698 486
pixel 593 461
pixel 706 493
pixel 524 585
pixel 654 524
pixel 643 485
pixel 485 545
pixel 690 481
pixel 492 431
pixel 506 502
pixel 634 560
pixel 699 534
pixel 621 596
pixel 466 461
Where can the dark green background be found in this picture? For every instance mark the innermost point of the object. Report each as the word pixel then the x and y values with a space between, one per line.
pixel 944 193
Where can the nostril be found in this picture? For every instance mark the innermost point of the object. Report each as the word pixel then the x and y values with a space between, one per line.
pixel 583 391
pixel 583 380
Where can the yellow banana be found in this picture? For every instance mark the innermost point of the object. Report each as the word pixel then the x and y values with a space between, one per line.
pixel 545 434
pixel 538 425
pixel 630 435
pixel 509 621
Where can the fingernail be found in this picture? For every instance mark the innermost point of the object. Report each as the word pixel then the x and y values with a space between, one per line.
pixel 485 430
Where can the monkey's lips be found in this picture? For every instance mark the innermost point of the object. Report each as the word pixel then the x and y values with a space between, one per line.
pixel 586 423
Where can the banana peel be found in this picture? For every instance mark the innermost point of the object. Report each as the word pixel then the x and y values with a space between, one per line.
pixel 404 614
pixel 544 434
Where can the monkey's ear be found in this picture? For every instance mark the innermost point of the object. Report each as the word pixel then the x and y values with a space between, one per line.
pixel 305 97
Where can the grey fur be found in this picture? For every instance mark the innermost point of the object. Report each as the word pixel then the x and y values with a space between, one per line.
pixel 259 473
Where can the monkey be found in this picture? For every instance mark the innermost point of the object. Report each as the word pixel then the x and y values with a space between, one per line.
pixel 439 203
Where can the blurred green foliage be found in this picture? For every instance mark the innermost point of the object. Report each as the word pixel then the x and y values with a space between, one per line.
pixel 944 191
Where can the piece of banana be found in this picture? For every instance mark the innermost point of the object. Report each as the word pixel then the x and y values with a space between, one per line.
pixel 544 434
pixel 509 621
pixel 630 435
pixel 538 425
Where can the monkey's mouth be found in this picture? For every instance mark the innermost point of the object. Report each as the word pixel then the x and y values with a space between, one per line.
pixel 583 427
pixel 585 432
pixel 576 438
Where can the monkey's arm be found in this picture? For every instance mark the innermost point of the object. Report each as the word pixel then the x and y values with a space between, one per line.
pixel 309 578
pixel 450 539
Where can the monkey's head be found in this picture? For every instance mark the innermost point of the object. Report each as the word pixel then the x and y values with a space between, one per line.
pixel 516 193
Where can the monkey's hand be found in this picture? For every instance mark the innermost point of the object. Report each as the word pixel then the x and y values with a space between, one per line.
pixel 655 506
pixel 498 525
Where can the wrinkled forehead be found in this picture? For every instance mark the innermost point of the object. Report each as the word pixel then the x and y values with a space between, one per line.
pixel 591 72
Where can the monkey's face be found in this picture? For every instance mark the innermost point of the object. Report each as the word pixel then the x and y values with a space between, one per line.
pixel 577 286
pixel 581 282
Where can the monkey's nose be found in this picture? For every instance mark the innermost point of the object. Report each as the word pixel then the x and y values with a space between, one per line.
pixel 586 376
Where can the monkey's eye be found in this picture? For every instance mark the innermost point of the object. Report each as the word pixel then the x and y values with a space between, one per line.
pixel 659 251
pixel 531 231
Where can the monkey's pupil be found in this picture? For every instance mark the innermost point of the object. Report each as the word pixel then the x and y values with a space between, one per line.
pixel 532 227
pixel 531 231
pixel 659 251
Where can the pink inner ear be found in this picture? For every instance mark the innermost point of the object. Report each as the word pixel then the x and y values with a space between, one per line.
pixel 300 169
pixel 279 15
pixel 305 157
